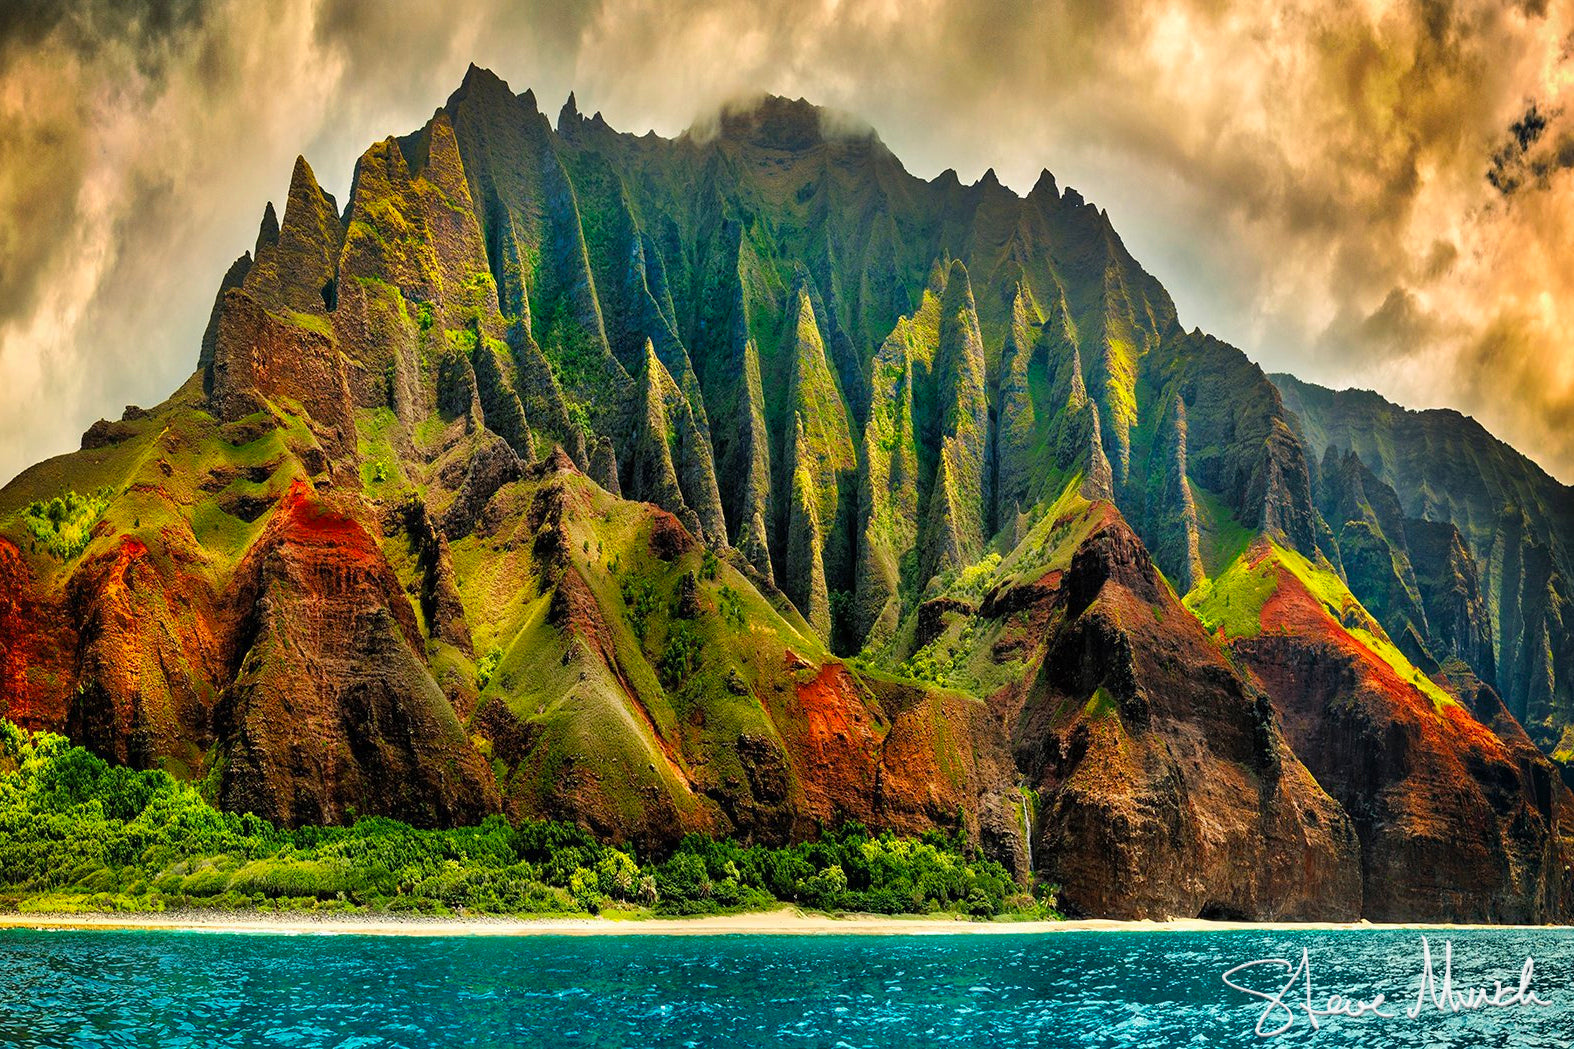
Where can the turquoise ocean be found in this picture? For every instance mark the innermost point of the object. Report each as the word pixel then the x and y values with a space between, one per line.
pixel 1124 988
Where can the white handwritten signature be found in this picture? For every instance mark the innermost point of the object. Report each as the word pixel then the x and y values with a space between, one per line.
pixel 1296 995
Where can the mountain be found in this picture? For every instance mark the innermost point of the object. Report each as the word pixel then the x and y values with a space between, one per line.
pixel 1490 535
pixel 744 483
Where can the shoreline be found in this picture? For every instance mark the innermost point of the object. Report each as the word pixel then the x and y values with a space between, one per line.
pixel 786 921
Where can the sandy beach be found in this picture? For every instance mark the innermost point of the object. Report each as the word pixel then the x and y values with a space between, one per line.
pixel 784 921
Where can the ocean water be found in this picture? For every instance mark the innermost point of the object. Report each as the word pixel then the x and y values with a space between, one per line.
pixel 1137 988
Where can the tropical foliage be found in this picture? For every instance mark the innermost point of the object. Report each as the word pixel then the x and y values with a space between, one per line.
pixel 77 833
pixel 64 525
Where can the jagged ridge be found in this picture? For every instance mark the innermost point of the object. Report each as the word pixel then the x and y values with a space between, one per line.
pixel 624 439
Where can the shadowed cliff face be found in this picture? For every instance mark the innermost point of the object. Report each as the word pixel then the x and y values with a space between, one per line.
pixel 745 483
pixel 1166 785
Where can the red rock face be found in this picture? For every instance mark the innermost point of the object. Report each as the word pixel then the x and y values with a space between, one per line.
pixel 948 758
pixel 832 737
pixel 669 539
pixel 125 660
pixel 148 663
pixel 332 703
pixel 1166 786
pixel 37 640
pixel 1455 822
pixel 895 756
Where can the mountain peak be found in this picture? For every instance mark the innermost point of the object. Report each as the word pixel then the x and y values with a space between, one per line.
pixel 305 190
pixel 480 85
pixel 569 115
pixel 478 78
pixel 773 122
pixel 302 173
pixel 791 125
pixel 268 232
pixel 956 277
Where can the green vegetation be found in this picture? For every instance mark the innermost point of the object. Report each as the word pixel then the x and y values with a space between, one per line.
pixel 732 607
pixel 1223 538
pixel 1059 528
pixel 944 658
pixel 578 415
pixel 1342 605
pixel 639 596
pixel 1234 603
pixel 1101 704
pixel 682 655
pixel 577 362
pixel 960 656
pixel 79 834
pixel 1389 653
pixel 312 322
pixel 1319 580
pixel 486 666
pixel 1563 753
pixel 974 579
pixel 64 524
pixel 375 432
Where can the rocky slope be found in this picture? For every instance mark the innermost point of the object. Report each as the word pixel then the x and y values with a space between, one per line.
pixel 1489 534
pixel 1164 782
pixel 1455 818
pixel 743 483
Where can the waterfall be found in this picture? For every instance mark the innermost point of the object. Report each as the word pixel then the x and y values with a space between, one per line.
pixel 1027 831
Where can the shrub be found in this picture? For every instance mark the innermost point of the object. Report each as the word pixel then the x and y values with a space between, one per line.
pixel 640 600
pixel 682 655
pixel 64 524
pixel 732 607
pixel 77 833
pixel 486 666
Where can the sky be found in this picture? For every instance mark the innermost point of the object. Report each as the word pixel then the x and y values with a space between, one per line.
pixel 1366 194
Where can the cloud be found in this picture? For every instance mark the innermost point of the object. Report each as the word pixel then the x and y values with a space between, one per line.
pixel 1310 180
pixel 138 143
